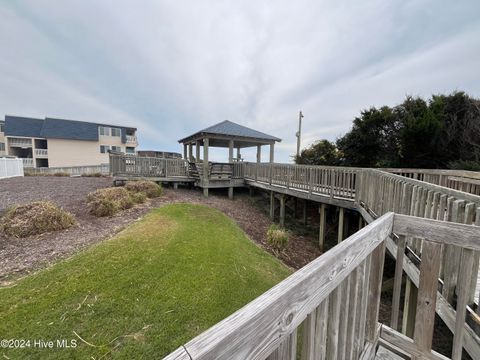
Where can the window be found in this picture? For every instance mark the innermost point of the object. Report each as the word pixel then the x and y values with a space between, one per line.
pixel 2 146
pixel 104 149
pixel 130 150
pixel 2 126
pixel 116 148
pixel 116 132
pixel 105 131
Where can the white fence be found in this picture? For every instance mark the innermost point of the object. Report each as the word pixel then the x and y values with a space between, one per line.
pixel 10 167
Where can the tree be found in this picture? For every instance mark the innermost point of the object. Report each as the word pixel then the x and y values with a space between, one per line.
pixel 443 132
pixel 322 152
pixel 373 140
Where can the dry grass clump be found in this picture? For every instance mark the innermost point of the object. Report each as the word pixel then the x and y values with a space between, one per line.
pixel 108 201
pixel 150 188
pixel 35 218
pixel 277 237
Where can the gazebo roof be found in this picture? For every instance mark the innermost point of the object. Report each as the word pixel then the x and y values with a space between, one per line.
pixel 227 130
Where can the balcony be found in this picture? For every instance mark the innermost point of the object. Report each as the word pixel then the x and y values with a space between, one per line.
pixel 20 142
pixel 27 162
pixel 41 153
pixel 131 139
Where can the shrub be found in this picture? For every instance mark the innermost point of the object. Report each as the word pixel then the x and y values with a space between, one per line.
pixel 35 218
pixel 108 201
pixel 138 197
pixel 150 188
pixel 277 237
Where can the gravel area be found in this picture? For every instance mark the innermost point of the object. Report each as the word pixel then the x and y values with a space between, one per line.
pixel 21 256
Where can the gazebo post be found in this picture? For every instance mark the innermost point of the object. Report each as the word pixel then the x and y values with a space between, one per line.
pixel 230 151
pixel 230 160
pixel 272 151
pixel 190 152
pixel 197 150
pixel 238 154
pixel 205 167
pixel 185 151
pixel 259 153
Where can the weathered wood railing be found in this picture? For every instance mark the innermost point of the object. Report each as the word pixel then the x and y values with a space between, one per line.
pixel 467 181
pixel 136 166
pixel 336 297
pixel 379 193
pixel 335 300
pixel 339 182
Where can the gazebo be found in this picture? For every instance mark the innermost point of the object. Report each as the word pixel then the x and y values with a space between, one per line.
pixel 225 134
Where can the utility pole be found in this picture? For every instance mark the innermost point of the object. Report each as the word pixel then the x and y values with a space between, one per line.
pixel 299 132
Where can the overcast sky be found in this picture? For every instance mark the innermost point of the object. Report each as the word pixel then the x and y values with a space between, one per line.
pixel 171 68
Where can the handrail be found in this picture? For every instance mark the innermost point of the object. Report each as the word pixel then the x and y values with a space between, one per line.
pixel 466 181
pixel 259 328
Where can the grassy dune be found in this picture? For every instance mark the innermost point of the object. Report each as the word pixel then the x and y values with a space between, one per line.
pixel 157 284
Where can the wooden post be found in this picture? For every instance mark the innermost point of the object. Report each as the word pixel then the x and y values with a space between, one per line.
pixel 341 216
pixel 190 152
pixel 321 236
pixel 272 205
pixel 282 210
pixel 197 150
pixel 259 154
pixel 305 203
pixel 409 308
pixel 346 224
pixel 205 167
pixel 185 155
pixel 230 192
pixel 427 296
pixel 360 221
pixel 272 152
pixel 175 186
pixel 230 151
pixel 238 154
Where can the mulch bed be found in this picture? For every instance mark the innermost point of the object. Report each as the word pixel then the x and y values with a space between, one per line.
pixel 21 256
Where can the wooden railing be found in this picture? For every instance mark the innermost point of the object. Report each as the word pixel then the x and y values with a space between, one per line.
pixel 136 166
pixel 339 182
pixel 335 300
pixel 318 296
pixel 379 193
pixel 467 181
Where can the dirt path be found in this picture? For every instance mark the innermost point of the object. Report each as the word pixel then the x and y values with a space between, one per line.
pixel 21 256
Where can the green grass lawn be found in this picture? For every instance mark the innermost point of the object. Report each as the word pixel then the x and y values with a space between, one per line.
pixel 153 287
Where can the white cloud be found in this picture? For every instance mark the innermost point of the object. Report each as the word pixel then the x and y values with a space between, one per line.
pixel 171 68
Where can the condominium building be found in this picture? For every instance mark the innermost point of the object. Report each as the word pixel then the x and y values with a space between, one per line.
pixel 53 142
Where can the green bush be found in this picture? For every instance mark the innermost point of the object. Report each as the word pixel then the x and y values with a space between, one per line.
pixel 150 188
pixel 108 201
pixel 277 237
pixel 35 218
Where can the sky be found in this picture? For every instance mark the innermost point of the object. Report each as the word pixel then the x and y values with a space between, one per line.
pixel 171 68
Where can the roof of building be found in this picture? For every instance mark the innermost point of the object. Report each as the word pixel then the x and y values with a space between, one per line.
pixel 23 126
pixel 68 129
pixel 231 129
pixel 55 128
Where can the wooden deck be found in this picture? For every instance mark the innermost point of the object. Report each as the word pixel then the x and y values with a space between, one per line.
pixel 428 223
